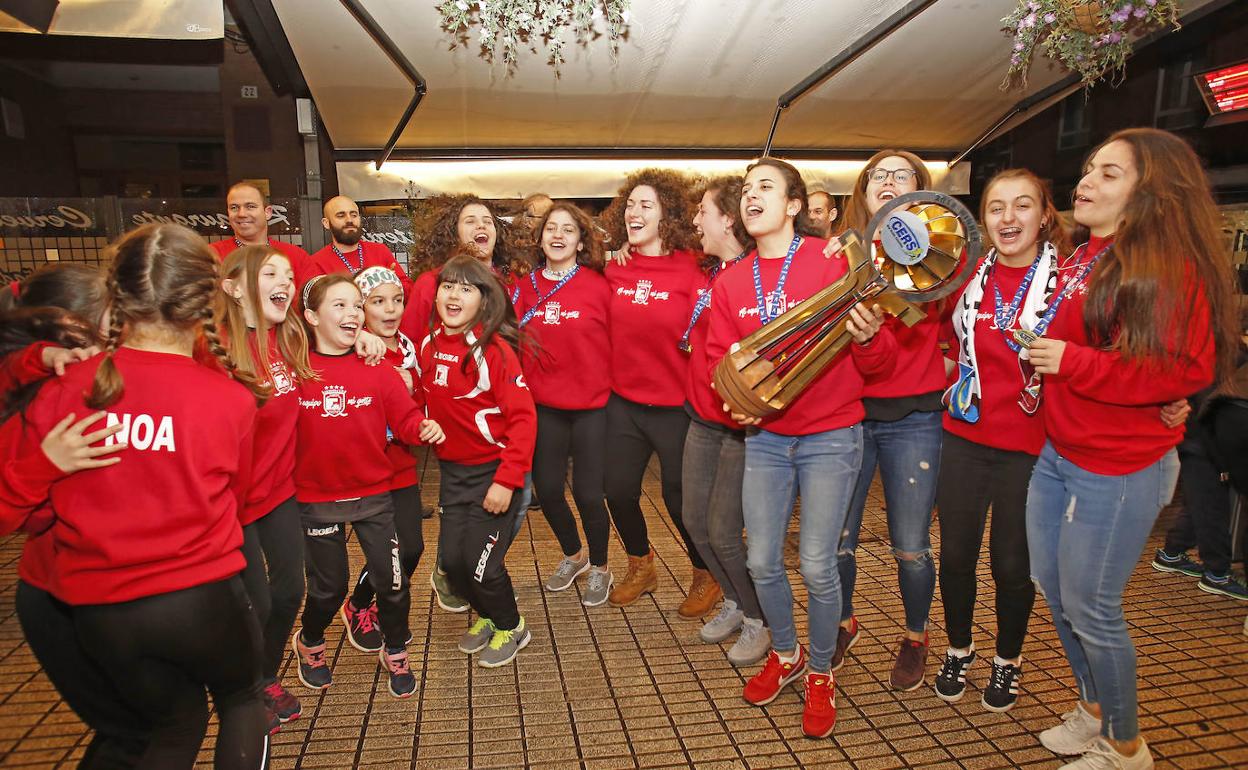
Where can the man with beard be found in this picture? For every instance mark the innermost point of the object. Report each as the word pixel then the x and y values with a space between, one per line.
pixel 249 213
pixel 823 211
pixel 346 251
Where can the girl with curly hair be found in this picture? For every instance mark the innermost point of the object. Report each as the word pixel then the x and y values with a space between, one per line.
pixel 651 295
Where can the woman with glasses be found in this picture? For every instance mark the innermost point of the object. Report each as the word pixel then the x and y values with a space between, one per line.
pixel 901 433
pixel 993 432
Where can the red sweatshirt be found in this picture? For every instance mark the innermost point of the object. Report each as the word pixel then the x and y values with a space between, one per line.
pixel 326 261
pixel 300 262
pixel 23 367
pixel 418 306
pixel 699 392
pixel 1102 412
pixel 1002 422
pixel 341 435
pixel 165 518
pixel 484 408
pixel 402 461
pixel 833 400
pixel 273 454
pixel 650 302
pixel 568 358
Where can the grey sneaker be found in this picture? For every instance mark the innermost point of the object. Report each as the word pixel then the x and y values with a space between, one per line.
pixel 1075 735
pixel 477 636
pixel 447 599
pixel 504 646
pixel 566 573
pixel 723 625
pixel 752 645
pixel 597 587
pixel 1102 756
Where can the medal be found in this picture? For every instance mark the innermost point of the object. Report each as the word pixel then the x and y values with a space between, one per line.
pixel 1024 337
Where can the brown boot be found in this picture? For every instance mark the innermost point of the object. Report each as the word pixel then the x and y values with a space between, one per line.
pixel 704 594
pixel 640 579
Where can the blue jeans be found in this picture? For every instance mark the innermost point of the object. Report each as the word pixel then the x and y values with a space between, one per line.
pixel 908 452
pixel 1086 532
pixel 822 467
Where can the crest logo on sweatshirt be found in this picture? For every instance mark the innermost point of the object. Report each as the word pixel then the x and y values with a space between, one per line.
pixel 334 401
pixel 643 293
pixel 283 382
pixel 440 373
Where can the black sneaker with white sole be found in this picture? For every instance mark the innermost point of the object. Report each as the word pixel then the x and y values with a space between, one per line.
pixel 1002 691
pixel 951 681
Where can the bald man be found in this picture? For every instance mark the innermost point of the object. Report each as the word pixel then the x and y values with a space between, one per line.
pixel 249 213
pixel 822 209
pixel 347 250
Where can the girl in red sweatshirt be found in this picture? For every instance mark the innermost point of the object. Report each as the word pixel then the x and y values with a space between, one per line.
pixel 253 309
pixel 474 387
pixel 1146 318
pixel 383 293
pixel 650 300
pixel 154 585
pixel 901 434
pixel 465 224
pixel 993 430
pixel 563 310
pixel 812 448
pixel 37 342
pixel 343 475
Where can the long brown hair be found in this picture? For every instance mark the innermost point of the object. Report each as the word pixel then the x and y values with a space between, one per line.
pixel 313 295
pixel 496 315
pixel 675 224
pixel 1052 228
pixel 80 289
pixel 441 243
pixel 243 266
pixel 1168 255
pixel 794 189
pixel 726 192
pixel 857 214
pixel 591 255
pixel 26 326
pixel 162 274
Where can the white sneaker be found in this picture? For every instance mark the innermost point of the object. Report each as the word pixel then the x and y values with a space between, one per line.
pixel 1103 757
pixel 723 625
pixel 1076 734
pixel 752 645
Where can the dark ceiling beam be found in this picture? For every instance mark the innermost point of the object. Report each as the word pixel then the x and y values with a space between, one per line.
pixel 396 56
pixel 36 14
pixel 110 50
pixel 261 26
pixel 843 59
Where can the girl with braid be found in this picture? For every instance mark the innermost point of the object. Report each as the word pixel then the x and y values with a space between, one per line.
pixel 147 551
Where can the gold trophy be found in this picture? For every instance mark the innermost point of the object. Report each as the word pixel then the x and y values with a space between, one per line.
pixel 931 246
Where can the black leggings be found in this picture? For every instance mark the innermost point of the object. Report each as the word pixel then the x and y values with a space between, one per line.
pixel 276 539
pixel 635 432
pixel 409 526
pixel 325 551
pixel 582 435
pixel 1205 520
pixel 474 542
pixel 121 732
pixel 162 651
pixel 973 477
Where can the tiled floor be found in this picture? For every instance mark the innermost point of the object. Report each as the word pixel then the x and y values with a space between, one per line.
pixel 635 688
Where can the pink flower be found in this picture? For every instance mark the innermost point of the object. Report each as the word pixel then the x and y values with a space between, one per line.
pixel 1049 18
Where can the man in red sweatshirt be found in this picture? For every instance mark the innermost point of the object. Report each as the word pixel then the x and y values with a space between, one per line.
pixel 347 250
pixel 249 213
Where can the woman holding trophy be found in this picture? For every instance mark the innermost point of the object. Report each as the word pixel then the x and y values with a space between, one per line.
pixel 814 447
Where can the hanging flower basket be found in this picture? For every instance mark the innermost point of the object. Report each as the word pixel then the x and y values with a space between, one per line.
pixel 505 26
pixel 1089 37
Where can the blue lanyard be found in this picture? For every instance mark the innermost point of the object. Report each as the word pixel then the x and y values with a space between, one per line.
pixel 764 316
pixel 704 301
pixel 359 251
pixel 515 293
pixel 1007 316
pixel 1043 324
pixel 528 314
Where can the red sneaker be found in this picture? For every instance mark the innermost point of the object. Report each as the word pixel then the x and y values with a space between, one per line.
pixel 819 715
pixel 768 683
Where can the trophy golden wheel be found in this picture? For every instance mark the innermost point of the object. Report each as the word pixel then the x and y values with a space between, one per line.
pixel 930 244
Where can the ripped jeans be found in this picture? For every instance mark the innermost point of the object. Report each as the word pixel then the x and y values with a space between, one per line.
pixel 908 453
pixel 1086 532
